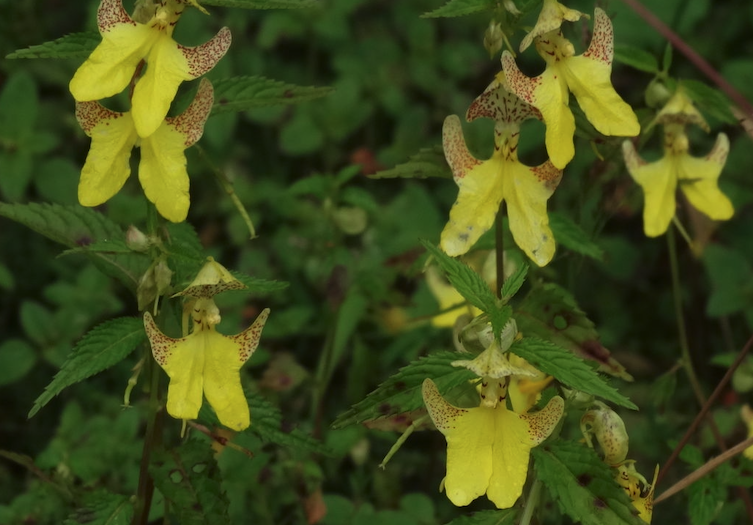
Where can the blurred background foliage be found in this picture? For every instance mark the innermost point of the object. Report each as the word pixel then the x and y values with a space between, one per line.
pixel 348 246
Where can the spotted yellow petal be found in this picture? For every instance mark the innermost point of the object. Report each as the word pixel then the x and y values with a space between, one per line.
pixel 183 361
pixel 659 182
pixel 549 94
pixel 509 457
pixel 169 64
pixel 501 105
pixel 213 278
pixel 589 78
pixel 470 436
pixel 550 18
pixel 110 67
pixel 162 170
pixel 698 180
pixel 526 191
pixel 479 192
pixel 222 385
pixel 107 164
pixel 542 423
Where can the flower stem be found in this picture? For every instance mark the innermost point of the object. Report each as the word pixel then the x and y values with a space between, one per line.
pixel 531 503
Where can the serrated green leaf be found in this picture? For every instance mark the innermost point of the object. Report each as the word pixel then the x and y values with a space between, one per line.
pixel 567 368
pixel 731 277
pixel 75 45
pixel 258 285
pixel 460 7
pixel 709 100
pixel 513 283
pixel 428 162
pixel 103 508
pixel 101 348
pixel 267 423
pixel 109 246
pixel 551 313
pixel 402 392
pixel 706 496
pixel 244 93
pixel 583 485
pixel 571 236
pixel 487 517
pixel 264 4
pixel 467 282
pixel 636 57
pixel 189 478
pixel 76 226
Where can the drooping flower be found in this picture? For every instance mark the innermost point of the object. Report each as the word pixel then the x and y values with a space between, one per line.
pixel 483 185
pixel 162 170
pixel 125 42
pixel 488 447
pixel 206 362
pixel 212 279
pixel 697 177
pixel 587 76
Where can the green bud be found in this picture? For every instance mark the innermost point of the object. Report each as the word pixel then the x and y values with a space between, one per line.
pixel 494 38
pixel 657 94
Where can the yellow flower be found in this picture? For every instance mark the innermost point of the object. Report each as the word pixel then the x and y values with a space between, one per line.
pixel 125 42
pixel 640 491
pixel 206 361
pixel 488 447
pixel 550 19
pixel 697 177
pixel 213 278
pixel 485 184
pixel 525 389
pixel 586 75
pixel 747 414
pixel 162 170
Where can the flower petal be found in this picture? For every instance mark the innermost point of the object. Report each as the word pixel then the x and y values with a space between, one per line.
pixel 548 93
pixel 550 18
pixel 470 437
pixel 447 296
pixel 213 278
pixel 659 181
pixel 107 164
pixel 510 454
pixel 542 423
pixel 526 192
pixel 499 104
pixel 183 361
pixel 110 67
pixel 169 64
pixel 589 78
pixel 222 383
pixel 698 181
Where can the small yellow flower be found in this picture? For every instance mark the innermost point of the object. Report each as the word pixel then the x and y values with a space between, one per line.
pixel 483 185
pixel 640 491
pixel 125 42
pixel 550 19
pixel 162 170
pixel 206 361
pixel 586 75
pixel 212 279
pixel 488 447
pixel 697 177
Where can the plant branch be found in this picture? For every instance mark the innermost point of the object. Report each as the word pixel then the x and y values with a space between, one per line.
pixel 697 60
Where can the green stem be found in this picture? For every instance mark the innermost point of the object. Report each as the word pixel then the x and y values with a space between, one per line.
pixel 499 237
pixel 531 504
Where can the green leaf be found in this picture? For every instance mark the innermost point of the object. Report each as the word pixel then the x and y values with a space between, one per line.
pixel 107 246
pixel 268 424
pixel 583 485
pixel 101 348
pixel 466 281
pixel 709 100
pixel 75 45
pixel 731 277
pixel 571 236
pixel 76 226
pixel 17 358
pixel 513 283
pixel 637 58
pixel 428 162
pixel 264 4
pixel 258 285
pixel 103 508
pixel 551 313
pixel 189 478
pixel 6 278
pixel 706 496
pixel 402 392
pixel 460 8
pixel 244 93
pixel 567 369
pixel 487 517
pixel 667 58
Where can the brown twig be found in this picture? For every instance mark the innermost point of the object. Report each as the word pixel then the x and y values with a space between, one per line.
pixel 705 409
pixel 704 469
pixel 691 55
